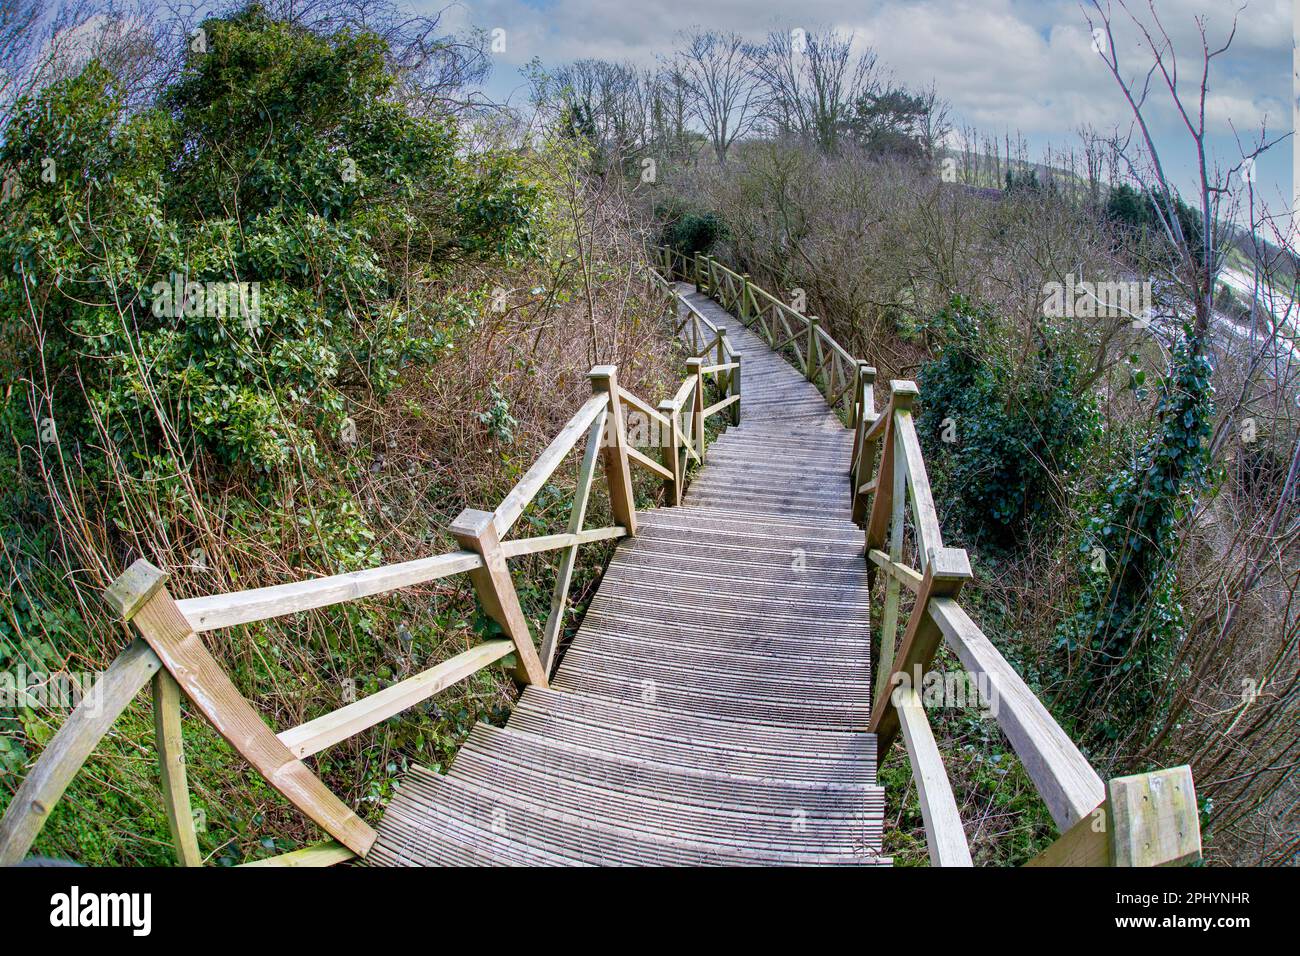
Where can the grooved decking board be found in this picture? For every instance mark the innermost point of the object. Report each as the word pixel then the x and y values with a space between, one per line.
pixel 711 709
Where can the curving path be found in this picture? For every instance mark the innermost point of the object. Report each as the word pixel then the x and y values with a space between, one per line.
pixel 711 708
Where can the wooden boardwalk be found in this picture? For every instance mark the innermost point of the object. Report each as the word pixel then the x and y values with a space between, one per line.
pixel 712 707
pixel 715 706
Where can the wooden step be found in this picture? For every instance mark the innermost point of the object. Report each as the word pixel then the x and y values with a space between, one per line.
pixel 655 800
pixel 689 740
pixel 512 826
pixel 711 708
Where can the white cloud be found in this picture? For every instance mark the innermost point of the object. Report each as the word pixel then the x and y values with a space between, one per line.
pixel 1025 66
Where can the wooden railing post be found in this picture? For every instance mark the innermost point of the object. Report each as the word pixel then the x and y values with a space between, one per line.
pixel 618 472
pixel 734 384
pixel 812 350
pixel 893 589
pixel 945 573
pixel 746 299
pixel 699 274
pixel 864 379
pixel 695 366
pixel 901 396
pixel 863 463
pixel 171 765
pixel 1154 818
pixel 475 531
pixel 670 453
pixel 723 358
pixel 1148 819
pixel 140 596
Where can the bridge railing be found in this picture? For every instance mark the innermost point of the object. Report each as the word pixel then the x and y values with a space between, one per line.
pixel 1142 820
pixel 169 654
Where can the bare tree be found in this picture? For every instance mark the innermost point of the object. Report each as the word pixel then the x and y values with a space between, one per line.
pixel 1095 151
pixel 1197 267
pixel 717 72
pixel 669 105
pixel 811 83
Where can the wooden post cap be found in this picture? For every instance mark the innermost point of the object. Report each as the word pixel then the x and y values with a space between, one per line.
pixel 668 405
pixel 1154 818
pixel 867 372
pixel 947 570
pixel 600 373
pixel 471 523
pixel 133 587
pixel 902 393
pixel 691 362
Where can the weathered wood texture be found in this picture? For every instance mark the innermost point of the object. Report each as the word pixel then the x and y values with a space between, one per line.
pixel 64 755
pixel 171 766
pixel 213 695
pixel 711 709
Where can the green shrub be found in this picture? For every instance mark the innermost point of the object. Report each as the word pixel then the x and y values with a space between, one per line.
pixel 274 161
pixel 1128 621
pixel 692 232
pixel 1003 437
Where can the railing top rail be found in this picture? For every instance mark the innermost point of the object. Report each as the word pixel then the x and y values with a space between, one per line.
pixel 261 604
pixel 526 489
pixel 258 604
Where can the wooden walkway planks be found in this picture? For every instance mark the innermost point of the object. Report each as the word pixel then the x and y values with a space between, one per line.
pixel 711 709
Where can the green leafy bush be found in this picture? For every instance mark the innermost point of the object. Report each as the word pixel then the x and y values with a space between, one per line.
pixel 1002 436
pixel 1128 621
pixel 275 162
pixel 691 232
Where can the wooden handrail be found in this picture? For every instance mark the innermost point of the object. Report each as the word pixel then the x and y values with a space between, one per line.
pixel 329 729
pixel 63 756
pixel 887 474
pixel 277 600
pixel 526 489
pixel 1060 772
pixel 1074 793
pixel 643 407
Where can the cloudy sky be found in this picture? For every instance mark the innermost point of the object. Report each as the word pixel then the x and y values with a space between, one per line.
pixel 1004 65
